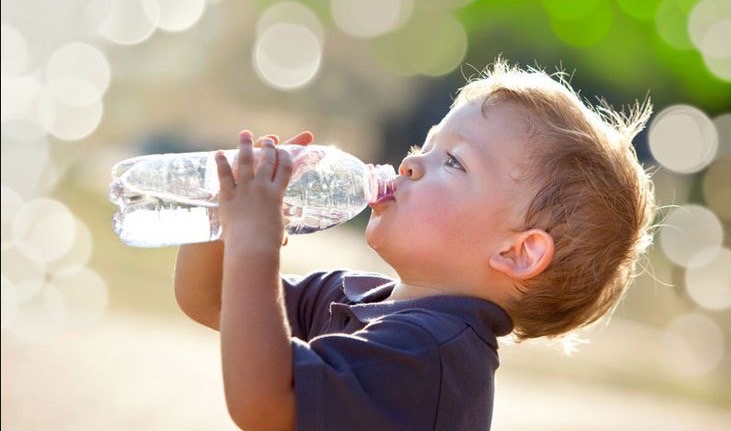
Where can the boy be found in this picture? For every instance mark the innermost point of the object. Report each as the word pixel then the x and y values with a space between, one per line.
pixel 524 212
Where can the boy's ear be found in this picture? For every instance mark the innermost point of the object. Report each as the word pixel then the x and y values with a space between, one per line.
pixel 525 256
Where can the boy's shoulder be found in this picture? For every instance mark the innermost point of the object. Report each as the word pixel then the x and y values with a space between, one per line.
pixel 363 295
pixel 342 285
pixel 445 318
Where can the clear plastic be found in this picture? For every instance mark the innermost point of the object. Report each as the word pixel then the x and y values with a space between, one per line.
pixel 171 199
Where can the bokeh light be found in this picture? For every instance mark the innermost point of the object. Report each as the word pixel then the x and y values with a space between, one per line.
pixel 127 22
pixel 47 287
pixel 77 74
pixel 180 15
pixel 683 139
pixel 579 22
pixel 69 123
pixel 26 163
pixel 671 22
pixel 687 230
pixel 25 270
pixel 293 13
pixel 642 10
pixel 370 18
pixel 709 27
pixel 720 67
pixel 19 97
pixel 14 51
pixel 287 56
pixel 80 252
pixel 47 226
pixel 708 278
pixel 429 44
pixel 694 344
pixel 88 82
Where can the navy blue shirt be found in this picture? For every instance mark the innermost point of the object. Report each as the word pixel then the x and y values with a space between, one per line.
pixel 363 363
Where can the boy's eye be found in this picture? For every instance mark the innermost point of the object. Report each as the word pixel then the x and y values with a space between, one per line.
pixel 453 162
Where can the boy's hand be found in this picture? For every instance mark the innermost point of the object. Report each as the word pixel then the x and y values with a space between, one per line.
pixel 303 138
pixel 250 202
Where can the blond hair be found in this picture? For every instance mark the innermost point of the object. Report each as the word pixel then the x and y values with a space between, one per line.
pixel 590 194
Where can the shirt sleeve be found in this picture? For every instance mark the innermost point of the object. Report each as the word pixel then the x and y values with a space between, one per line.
pixel 383 377
pixel 307 300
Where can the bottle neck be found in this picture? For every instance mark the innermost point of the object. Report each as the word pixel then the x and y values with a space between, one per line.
pixel 382 182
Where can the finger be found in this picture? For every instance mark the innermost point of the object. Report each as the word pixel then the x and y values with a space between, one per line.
pixel 284 169
pixel 259 141
pixel 267 160
pixel 225 176
pixel 246 157
pixel 245 135
pixel 303 138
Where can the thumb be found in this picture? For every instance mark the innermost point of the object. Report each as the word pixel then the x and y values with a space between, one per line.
pixel 303 138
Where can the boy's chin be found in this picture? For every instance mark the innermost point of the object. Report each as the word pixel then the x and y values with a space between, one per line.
pixel 374 238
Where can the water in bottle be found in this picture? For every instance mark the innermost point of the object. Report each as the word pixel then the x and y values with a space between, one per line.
pixel 171 199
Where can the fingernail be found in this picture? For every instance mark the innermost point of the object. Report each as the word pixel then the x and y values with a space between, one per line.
pixel 246 134
pixel 268 141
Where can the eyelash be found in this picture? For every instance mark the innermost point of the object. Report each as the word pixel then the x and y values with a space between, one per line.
pixel 451 157
pixel 415 150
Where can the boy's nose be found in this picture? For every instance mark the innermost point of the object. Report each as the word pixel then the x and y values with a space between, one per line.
pixel 410 168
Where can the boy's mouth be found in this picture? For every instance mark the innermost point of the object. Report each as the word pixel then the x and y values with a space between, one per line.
pixel 383 199
pixel 385 196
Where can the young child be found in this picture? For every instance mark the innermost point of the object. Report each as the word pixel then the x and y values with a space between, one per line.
pixel 524 211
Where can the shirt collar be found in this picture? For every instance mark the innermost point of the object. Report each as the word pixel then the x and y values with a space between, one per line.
pixel 368 304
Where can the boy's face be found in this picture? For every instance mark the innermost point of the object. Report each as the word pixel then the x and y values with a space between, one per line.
pixel 457 198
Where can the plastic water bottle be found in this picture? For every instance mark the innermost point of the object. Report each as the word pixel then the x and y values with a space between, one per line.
pixel 172 199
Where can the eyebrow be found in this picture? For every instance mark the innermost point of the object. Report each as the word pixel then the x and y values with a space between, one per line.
pixel 463 137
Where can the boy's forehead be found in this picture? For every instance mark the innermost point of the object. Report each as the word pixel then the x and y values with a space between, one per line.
pixel 459 119
pixel 453 115
pixel 432 130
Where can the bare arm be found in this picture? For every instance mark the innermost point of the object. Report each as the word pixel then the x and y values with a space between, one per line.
pixel 199 268
pixel 255 336
pixel 198 277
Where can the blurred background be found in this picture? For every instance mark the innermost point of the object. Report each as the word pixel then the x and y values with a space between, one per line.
pixel 92 338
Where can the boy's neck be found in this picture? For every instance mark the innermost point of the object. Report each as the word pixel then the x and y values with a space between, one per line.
pixel 403 291
pixel 409 290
